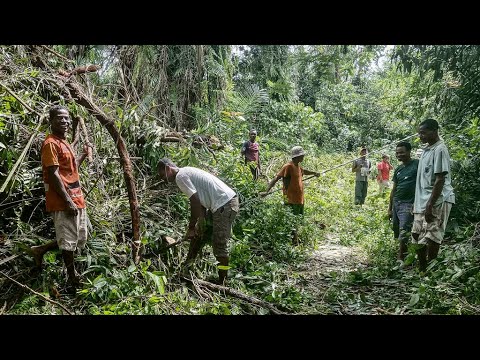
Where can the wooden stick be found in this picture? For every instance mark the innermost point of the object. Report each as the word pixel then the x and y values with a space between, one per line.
pixel 171 139
pixel 240 295
pixel 85 133
pixel 37 293
pixel 2 310
pixel 8 259
pixel 174 244
pixel 21 157
pixel 57 54
pixel 19 100
pixel 76 132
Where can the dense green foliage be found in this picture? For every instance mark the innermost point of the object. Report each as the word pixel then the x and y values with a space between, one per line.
pixel 329 99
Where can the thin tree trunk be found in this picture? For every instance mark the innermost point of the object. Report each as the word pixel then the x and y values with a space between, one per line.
pixel 79 97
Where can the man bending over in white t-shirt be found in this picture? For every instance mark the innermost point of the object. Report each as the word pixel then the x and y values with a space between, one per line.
pixel 210 199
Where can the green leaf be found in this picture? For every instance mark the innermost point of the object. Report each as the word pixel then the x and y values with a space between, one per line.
pixel 458 273
pixel 99 282
pixel 158 281
pixel 154 300
pixel 414 299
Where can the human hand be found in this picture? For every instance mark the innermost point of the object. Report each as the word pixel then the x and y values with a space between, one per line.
pixel 87 151
pixel 86 148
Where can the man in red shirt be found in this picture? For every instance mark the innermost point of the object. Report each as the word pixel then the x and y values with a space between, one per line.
pixel 250 150
pixel 291 173
pixel 384 167
pixel 64 197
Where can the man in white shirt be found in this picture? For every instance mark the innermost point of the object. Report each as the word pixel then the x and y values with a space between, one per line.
pixel 211 200
pixel 434 194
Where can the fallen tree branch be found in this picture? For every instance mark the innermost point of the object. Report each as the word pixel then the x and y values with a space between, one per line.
pixel 72 89
pixel 37 293
pixel 21 157
pixel 87 140
pixel 8 259
pixel 240 295
pixel 75 131
pixel 11 92
pixel 79 70
pixel 174 244
pixel 383 311
pixel 57 54
pixel 2 310
pixel 30 141
pixel 171 139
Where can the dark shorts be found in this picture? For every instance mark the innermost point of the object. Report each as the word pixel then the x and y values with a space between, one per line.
pixel 297 209
pixel 402 219
pixel 254 169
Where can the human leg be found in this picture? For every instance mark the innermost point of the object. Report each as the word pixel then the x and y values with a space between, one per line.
pixel 71 231
pixel 222 229
pixel 38 251
pixel 396 229
pixel 430 235
pixel 364 191
pixel 404 216
pixel 358 192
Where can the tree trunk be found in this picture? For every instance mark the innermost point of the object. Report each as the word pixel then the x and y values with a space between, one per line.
pixel 79 96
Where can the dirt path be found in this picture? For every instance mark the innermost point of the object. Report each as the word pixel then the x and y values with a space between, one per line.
pixel 323 279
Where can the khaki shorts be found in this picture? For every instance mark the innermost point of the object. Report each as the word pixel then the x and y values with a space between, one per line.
pixel 71 231
pixel 434 230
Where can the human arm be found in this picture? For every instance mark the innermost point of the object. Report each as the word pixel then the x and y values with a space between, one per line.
pixel 270 185
pixel 308 172
pixel 244 148
pixel 436 191
pixel 57 184
pixel 379 169
pixel 390 204
pixel 354 166
pixel 196 211
pixel 87 149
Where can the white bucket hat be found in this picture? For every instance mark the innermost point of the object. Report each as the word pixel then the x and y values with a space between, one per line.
pixel 297 151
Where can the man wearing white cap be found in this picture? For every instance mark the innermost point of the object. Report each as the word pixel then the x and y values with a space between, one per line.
pixel 291 173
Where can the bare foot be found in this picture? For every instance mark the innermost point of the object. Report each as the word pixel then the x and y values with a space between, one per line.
pixel 37 254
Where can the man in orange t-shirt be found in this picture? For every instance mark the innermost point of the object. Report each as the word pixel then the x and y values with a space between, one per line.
pixel 64 197
pixel 291 173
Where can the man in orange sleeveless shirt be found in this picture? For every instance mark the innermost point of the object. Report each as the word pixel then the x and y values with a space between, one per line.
pixel 64 197
pixel 291 173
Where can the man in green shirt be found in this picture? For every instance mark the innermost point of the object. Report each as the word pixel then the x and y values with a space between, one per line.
pixel 434 194
pixel 402 196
